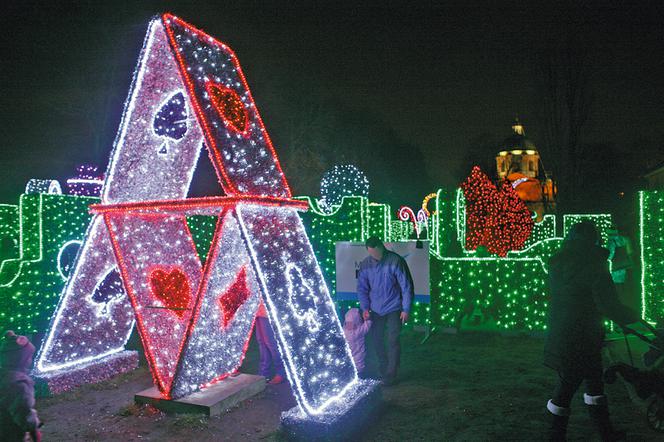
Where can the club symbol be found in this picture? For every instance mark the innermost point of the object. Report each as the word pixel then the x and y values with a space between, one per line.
pixel 302 298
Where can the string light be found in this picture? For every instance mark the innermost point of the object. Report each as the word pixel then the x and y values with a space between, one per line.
pixel 87 182
pixel 651 240
pixel 43 186
pixel 66 256
pixel 193 282
pixel 84 332
pixel 172 295
pixel 346 223
pixel 509 291
pixel 342 180
pixel 324 230
pixel 316 355
pixel 496 219
pixel 224 315
pixel 161 271
pixel 603 222
pixel 246 162
pixel 425 203
pixel 30 281
pixel 155 152
pixel 93 319
pixel 542 231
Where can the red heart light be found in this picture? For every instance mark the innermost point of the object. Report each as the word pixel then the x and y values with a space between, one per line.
pixel 229 105
pixel 234 297
pixel 172 289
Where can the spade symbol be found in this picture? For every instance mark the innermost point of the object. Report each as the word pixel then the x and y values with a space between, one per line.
pixel 109 289
pixel 171 120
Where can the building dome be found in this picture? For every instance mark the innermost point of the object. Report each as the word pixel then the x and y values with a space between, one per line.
pixel 518 140
pixel 518 155
pixel 519 163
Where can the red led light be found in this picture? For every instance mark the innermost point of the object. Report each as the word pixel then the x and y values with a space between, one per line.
pixel 496 219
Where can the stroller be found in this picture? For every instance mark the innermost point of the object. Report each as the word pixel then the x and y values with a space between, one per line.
pixel 649 382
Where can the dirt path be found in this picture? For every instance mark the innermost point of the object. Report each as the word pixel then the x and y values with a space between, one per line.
pixel 467 387
pixel 105 412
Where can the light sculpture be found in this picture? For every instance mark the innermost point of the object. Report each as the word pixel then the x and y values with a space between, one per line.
pixel 495 218
pixel 195 319
pixel 87 182
pixel 342 180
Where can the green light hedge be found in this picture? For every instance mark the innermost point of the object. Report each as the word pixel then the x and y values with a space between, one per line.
pixel 651 239
pixel 508 292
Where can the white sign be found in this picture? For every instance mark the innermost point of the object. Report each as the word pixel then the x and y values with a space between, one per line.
pixel 350 254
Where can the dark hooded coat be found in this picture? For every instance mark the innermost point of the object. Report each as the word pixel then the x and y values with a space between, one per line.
pixel 582 294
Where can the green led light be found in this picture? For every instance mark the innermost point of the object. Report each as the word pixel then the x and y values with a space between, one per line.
pixel 510 290
pixel 651 241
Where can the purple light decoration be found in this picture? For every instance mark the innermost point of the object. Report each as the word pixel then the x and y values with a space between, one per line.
pixel 87 182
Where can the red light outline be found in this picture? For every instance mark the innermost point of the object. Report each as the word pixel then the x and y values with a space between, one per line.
pixel 226 183
pixel 163 387
pixel 199 302
pixel 164 206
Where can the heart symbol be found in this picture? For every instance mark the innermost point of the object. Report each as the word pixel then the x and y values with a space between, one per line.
pixel 172 289
pixel 234 297
pixel 229 105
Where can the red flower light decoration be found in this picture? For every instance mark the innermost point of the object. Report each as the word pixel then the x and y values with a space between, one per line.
pixel 496 219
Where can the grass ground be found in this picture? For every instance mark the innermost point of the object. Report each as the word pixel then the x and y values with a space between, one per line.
pixel 469 387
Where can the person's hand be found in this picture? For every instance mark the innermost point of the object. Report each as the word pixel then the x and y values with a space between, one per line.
pixel 404 317
pixel 365 315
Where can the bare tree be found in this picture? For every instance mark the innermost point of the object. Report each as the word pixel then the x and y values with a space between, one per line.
pixel 562 81
pixel 303 135
pixel 92 93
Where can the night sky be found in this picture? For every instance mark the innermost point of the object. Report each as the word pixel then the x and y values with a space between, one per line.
pixel 408 94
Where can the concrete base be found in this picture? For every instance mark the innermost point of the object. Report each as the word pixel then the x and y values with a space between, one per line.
pixel 58 381
pixel 210 401
pixel 340 422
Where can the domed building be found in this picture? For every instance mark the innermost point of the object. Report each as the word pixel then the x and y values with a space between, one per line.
pixel 519 162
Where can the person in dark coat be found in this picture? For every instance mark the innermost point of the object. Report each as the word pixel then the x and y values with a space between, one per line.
pixel 581 295
pixel 17 393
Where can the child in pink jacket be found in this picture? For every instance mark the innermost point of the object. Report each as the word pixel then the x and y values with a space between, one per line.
pixel 355 330
pixel 17 393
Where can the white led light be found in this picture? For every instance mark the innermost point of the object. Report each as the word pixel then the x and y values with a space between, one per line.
pixel 61 251
pixel 76 318
pixel 298 341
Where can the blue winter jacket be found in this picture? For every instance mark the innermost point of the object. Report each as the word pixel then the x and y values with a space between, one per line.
pixel 385 286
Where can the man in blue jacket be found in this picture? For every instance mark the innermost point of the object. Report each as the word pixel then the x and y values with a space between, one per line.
pixel 385 291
